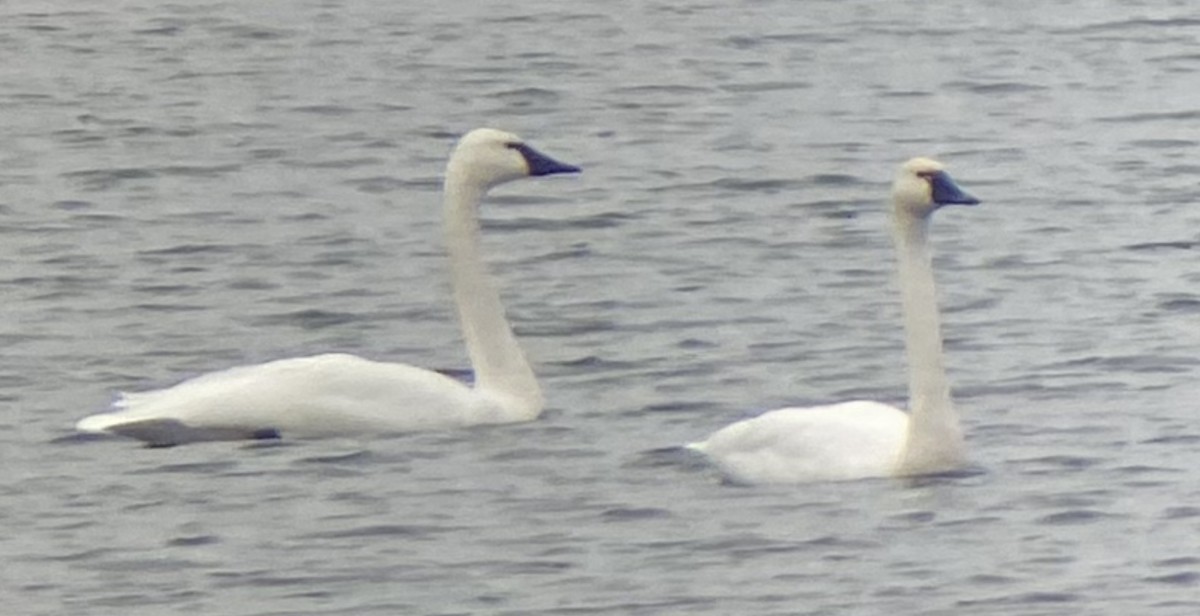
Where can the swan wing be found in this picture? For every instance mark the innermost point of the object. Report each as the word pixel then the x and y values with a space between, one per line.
pixel 850 440
pixel 323 395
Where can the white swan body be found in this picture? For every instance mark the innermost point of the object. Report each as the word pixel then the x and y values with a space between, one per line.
pixel 862 439
pixel 337 394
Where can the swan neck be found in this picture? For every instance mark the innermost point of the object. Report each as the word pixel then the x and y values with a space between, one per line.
pixel 499 364
pixel 934 438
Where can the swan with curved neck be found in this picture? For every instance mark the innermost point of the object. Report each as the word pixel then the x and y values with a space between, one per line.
pixel 861 439
pixel 338 394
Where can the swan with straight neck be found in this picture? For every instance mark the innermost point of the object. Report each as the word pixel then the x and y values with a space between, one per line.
pixel 862 439
pixel 337 394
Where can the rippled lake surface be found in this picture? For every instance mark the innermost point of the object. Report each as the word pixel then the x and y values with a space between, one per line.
pixel 190 186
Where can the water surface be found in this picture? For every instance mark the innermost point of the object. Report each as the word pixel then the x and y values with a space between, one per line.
pixel 185 187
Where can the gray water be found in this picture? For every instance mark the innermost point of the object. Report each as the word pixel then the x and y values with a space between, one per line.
pixel 190 186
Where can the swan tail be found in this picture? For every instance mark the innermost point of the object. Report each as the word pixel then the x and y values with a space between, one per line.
pixel 168 432
pixel 134 417
pixel 97 424
pixel 124 410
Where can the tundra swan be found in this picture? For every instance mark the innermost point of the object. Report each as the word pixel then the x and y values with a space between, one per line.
pixel 860 439
pixel 338 394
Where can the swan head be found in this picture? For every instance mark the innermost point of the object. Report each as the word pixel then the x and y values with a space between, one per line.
pixel 489 157
pixel 922 186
